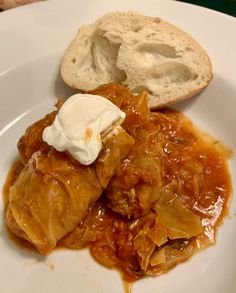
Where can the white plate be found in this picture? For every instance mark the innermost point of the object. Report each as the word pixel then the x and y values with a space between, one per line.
pixel 32 39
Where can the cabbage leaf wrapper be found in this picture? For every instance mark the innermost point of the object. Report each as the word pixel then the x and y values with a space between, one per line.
pixel 54 192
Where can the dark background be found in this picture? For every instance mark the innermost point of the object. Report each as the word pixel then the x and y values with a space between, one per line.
pixel 225 6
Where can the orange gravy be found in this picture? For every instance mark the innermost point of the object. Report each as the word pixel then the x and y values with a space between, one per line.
pixel 210 201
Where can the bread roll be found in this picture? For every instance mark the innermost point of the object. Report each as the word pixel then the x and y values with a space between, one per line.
pixel 139 52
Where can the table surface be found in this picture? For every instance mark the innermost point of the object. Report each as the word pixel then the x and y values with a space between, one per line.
pixel 225 6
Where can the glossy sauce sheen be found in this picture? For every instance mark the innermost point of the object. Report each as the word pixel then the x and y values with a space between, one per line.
pixel 194 165
pixel 111 237
pixel 11 178
pixel 110 241
pixel 187 143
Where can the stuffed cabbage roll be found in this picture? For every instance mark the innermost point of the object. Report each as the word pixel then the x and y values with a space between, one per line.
pixel 53 192
pixel 137 182
pixel 32 140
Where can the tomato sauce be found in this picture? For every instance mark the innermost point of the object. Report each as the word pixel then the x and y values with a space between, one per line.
pixel 193 165
pixel 198 165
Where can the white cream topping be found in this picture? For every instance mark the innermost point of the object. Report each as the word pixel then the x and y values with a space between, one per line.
pixel 78 126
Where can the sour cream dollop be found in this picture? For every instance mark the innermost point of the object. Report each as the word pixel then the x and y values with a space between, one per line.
pixel 78 126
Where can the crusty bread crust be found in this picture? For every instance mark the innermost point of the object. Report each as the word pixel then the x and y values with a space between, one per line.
pixel 140 52
pixel 15 3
